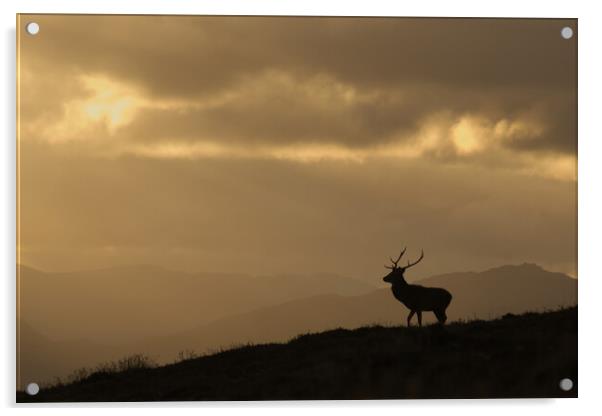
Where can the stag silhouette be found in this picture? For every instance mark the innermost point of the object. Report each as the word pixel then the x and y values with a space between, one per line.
pixel 417 298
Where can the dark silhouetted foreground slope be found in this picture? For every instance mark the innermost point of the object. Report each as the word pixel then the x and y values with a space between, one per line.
pixel 516 356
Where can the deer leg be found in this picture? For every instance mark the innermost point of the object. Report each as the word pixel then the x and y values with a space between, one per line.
pixel 419 313
pixel 441 316
pixel 410 317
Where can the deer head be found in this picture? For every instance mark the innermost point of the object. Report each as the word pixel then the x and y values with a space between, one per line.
pixel 396 275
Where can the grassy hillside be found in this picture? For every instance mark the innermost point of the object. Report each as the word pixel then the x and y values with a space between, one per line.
pixel 516 356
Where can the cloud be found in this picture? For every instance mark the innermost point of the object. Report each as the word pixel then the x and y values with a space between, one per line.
pixel 303 120
pixel 323 138
pixel 196 55
pixel 349 82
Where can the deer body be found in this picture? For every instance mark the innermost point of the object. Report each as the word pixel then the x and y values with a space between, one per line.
pixel 417 298
pixel 420 298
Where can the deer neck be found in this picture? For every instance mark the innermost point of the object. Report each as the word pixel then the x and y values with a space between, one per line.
pixel 398 287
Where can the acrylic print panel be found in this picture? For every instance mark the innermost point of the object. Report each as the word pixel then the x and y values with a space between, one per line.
pixel 206 204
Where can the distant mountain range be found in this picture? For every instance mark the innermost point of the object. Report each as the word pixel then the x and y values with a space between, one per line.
pixel 160 313
pixel 120 305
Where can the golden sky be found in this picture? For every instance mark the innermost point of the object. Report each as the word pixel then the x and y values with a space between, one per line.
pixel 301 145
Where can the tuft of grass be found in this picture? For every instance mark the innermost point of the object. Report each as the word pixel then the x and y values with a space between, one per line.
pixel 186 355
pixel 130 363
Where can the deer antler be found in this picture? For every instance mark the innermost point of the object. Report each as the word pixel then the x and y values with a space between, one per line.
pixel 395 261
pixel 417 261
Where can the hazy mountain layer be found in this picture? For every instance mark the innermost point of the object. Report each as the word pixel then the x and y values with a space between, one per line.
pixel 120 305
